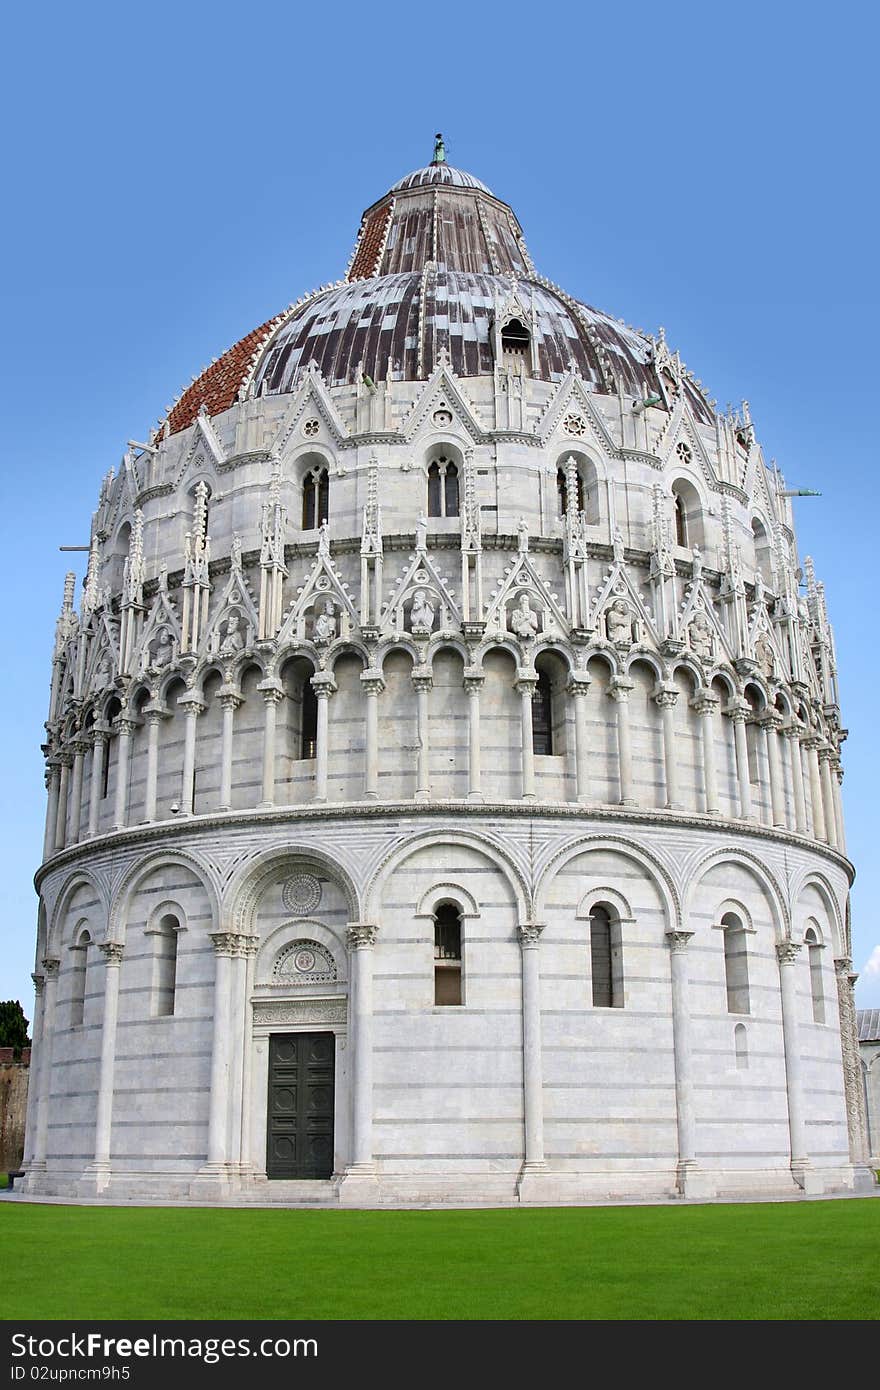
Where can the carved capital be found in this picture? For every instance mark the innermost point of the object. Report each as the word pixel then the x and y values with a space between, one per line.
pixel 787 952
pixel 473 678
pixel 422 678
pixel 677 941
pixel 619 688
pixel 704 702
pixel 225 943
pixel 843 968
pixel 362 935
pixel 271 690
pixel 737 710
pixel 51 966
pixel 527 685
pixel 792 730
pixel 665 696
pixel 578 684
pixel 192 704
pixel 530 933
pixel 112 951
pixel 771 720
pixel 826 753
pixel 39 982
pixel 323 685
pixel 229 699
pixel 372 681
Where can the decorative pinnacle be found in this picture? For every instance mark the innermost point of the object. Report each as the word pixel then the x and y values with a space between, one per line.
pixel 439 150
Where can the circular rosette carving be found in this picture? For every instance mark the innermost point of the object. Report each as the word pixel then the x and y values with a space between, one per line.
pixel 304 963
pixel 301 894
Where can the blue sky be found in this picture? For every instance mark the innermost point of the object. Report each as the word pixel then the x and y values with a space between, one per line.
pixel 175 174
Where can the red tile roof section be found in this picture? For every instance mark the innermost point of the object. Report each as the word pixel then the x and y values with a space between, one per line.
pixel 218 386
pixel 371 243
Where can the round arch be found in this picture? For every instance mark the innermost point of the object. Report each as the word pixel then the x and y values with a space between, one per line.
pixel 243 892
pixel 401 852
pixel 813 878
pixel 80 878
pixel 135 874
pixel 759 871
pixel 656 872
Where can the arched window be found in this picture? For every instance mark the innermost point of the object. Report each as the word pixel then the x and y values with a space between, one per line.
pixel 741 1047
pixel 814 949
pixel 562 491
pixel 308 742
pixel 165 966
pixel 316 498
pixel 606 958
pixel 736 964
pixel 763 552
pixel 447 954
pixel 79 973
pixel 442 487
pixel 542 714
pixel 687 515
pixel 515 344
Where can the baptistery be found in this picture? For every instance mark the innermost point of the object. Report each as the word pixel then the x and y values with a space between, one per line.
pixel 443 768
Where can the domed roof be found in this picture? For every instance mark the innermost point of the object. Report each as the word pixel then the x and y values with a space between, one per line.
pixel 439 174
pixel 439 262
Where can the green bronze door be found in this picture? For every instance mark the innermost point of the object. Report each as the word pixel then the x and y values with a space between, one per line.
pixel 300 1127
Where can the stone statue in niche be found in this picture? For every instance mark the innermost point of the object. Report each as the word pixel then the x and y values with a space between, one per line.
pixel 422 532
pixel 523 621
pixel 325 624
pixel 421 615
pixel 619 623
pixel 617 548
pixel 523 534
pixel 697 564
pixel 161 650
pixel 700 637
pixel 764 656
pixel 233 637
pixel 103 675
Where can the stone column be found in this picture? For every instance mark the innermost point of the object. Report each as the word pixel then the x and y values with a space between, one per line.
pixel 249 947
pixel 704 703
pixel 811 744
pixel 826 756
pixel 225 947
pixel 100 734
pixel 51 966
pixel 533 1075
pixel 618 690
pixel 771 722
pixel 801 1171
pixel 360 1176
pixel 272 692
pixel 193 707
pixel 422 683
pixel 372 683
pixel 64 761
pixel 738 711
pixel 526 685
pixel 97 1175
pixel 123 769
pixel 244 950
pixel 689 1180
pixel 792 732
pixel 155 713
pixel 30 1129
pixel 324 685
pixel 229 703
pixel 857 1122
pixel 836 784
pixel 473 684
pixel 79 747
pixel 53 784
pixel 579 689
pixel 665 697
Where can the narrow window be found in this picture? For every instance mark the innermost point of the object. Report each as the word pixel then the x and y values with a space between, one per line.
pixel 308 743
pixel 818 994
pixel 316 498
pixel 442 487
pixel 515 344
pixel 105 766
pixel 450 490
pixel 606 959
pixel 681 525
pixel 741 1047
pixel 447 955
pixel 736 964
pixel 542 715
pixel 79 971
pixel 166 966
pixel 752 751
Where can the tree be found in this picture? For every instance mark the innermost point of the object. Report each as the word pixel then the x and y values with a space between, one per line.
pixel 13 1025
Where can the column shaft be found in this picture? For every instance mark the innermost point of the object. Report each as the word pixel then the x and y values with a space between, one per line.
pixel 423 775
pixel 666 698
pixel 361 937
pixel 777 795
pixel 187 785
pixel 816 808
pixel 98 753
pixel 104 1116
pixel 152 766
pixel 76 786
pixel 372 685
pixel 473 685
pixel 61 816
pixel 579 690
pixel 533 1079
pixel 797 780
pixel 123 761
pixel 220 1049
pixel 526 692
pixel 828 797
pixel 741 747
pixel 619 689
pixel 30 1129
pixel 788 954
pixel 51 810
pixel 50 995
pixel 681 1042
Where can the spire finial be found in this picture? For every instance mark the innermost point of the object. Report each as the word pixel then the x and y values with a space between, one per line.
pixel 439 150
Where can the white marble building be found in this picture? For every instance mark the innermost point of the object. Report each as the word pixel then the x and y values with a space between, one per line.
pixel 444 769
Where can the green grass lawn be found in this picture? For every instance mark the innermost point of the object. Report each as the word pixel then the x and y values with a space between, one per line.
pixel 768 1260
